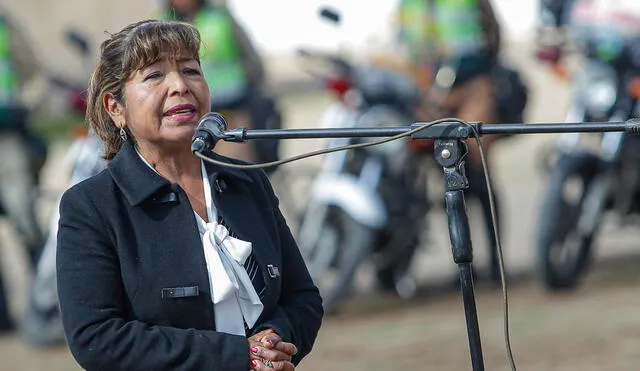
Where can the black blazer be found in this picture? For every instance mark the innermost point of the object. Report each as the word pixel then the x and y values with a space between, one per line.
pixel 132 279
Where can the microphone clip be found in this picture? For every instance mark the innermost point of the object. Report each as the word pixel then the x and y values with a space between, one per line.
pixel 210 130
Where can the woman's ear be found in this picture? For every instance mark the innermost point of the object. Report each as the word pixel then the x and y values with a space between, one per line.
pixel 113 108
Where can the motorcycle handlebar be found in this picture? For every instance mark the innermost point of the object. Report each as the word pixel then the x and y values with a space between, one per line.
pixel 340 63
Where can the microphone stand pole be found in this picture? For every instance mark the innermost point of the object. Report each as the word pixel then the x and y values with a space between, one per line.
pixel 450 150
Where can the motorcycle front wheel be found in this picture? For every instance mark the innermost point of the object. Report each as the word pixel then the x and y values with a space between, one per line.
pixel 569 218
pixel 333 245
pixel 394 275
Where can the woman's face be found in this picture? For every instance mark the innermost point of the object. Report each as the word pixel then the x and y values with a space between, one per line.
pixel 163 102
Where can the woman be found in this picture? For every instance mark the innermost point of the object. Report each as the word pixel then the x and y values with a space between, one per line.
pixel 165 262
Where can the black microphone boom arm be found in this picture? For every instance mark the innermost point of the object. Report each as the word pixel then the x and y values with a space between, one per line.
pixel 444 130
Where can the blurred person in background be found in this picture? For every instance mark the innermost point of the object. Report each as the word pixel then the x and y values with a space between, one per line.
pixel 22 152
pixel 235 72
pixel 464 36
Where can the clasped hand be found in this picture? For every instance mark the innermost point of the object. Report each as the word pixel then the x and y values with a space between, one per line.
pixel 267 351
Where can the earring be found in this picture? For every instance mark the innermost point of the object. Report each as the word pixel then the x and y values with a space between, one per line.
pixel 123 133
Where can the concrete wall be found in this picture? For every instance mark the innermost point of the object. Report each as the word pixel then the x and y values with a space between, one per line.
pixel 46 20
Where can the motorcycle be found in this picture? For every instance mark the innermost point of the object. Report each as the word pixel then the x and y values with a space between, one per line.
pixel 42 323
pixel 17 120
pixel 368 202
pixel 593 173
pixel 373 202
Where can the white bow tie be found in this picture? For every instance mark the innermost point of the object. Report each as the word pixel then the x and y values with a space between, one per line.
pixel 230 276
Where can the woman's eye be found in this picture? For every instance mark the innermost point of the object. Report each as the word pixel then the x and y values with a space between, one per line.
pixel 152 75
pixel 192 71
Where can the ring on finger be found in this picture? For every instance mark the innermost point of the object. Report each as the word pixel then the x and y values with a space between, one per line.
pixel 267 363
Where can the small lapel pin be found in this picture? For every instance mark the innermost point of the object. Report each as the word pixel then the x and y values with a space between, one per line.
pixel 221 185
pixel 274 272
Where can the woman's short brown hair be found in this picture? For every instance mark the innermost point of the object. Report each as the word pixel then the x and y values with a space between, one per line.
pixel 134 47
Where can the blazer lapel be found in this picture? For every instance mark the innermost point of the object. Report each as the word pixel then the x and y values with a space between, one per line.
pixel 136 180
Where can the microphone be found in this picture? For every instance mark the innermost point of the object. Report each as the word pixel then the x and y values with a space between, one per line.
pixel 210 130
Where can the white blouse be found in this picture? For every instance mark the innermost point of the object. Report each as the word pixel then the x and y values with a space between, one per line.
pixel 234 297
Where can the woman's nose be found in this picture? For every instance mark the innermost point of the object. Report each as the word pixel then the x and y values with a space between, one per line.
pixel 177 84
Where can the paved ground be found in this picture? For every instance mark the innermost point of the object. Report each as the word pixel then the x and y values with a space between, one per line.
pixel 593 328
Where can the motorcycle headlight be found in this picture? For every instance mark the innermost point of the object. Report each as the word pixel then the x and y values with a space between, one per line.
pixel 382 116
pixel 600 97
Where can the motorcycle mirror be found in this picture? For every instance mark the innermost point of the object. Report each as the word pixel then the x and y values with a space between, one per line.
pixel 330 14
pixel 78 41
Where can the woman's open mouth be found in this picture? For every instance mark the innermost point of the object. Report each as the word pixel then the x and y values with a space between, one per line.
pixel 181 112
